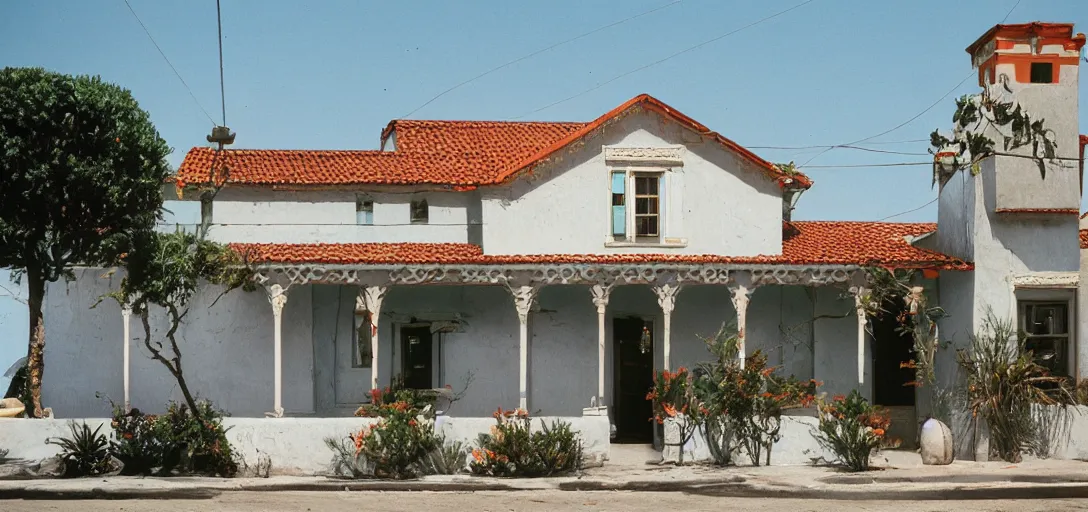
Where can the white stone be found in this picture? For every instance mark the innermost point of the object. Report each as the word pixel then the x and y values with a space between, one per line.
pixel 936 443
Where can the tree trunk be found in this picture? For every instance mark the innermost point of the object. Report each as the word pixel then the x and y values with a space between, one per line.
pixel 35 356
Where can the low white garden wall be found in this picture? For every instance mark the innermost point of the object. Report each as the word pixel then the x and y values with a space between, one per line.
pixel 295 446
pixel 797 445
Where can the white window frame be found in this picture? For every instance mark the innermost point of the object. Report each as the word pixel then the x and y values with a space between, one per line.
pixel 1066 297
pixel 631 238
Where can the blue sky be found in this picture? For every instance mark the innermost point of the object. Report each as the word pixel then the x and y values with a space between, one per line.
pixel 331 74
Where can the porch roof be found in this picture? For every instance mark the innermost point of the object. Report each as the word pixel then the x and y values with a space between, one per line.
pixel 830 243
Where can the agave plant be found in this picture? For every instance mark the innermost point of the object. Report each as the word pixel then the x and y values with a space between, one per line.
pixel 86 453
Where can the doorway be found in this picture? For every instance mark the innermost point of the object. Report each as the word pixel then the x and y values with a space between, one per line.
pixel 892 344
pixel 633 346
pixel 416 357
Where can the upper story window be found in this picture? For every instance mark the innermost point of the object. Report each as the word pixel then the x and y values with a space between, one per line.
pixel 644 190
pixel 1046 328
pixel 1042 72
pixel 420 214
pixel 364 210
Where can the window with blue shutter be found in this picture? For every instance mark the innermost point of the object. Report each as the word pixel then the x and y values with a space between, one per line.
pixel 619 200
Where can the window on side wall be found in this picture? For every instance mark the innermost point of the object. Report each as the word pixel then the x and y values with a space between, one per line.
pixel 1046 327
pixel 419 212
pixel 636 206
pixel 361 342
pixel 364 210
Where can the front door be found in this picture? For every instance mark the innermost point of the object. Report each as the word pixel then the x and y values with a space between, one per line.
pixel 416 357
pixel 632 342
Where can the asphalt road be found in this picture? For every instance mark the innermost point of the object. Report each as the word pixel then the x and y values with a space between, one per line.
pixel 521 501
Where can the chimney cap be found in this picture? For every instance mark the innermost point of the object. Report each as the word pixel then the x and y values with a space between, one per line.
pixel 1024 31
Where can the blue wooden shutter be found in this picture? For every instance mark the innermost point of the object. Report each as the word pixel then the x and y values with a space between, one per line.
pixel 619 208
pixel 661 206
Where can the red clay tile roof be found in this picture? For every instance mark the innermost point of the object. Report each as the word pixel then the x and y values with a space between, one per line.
pixel 1054 211
pixel 1084 239
pixel 454 153
pixel 805 243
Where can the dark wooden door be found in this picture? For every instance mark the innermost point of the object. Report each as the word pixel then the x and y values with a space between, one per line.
pixel 417 362
pixel 891 346
pixel 632 341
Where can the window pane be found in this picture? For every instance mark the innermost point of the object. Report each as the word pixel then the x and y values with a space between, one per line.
pixel 646 225
pixel 1050 353
pixel 618 199
pixel 1042 318
pixel 419 212
pixel 645 185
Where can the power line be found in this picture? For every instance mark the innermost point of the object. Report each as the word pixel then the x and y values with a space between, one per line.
pixel 538 52
pixel 652 64
pixel 849 166
pixel 934 200
pixel 920 114
pixel 164 57
pixel 822 146
pixel 871 150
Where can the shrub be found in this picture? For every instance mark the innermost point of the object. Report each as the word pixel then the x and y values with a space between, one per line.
pixel 852 429
pixel 1003 383
pixel 417 399
pixel 402 444
pixel 86 453
pixel 175 441
pixel 674 396
pixel 512 449
pixel 743 405
pixel 447 459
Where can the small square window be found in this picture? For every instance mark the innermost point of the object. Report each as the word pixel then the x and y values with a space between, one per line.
pixel 419 212
pixel 364 211
pixel 361 343
pixel 1042 72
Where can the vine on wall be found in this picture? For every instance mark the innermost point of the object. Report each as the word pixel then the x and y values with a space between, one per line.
pixel 968 145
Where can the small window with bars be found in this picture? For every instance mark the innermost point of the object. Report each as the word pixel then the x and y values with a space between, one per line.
pixel 1045 326
pixel 420 214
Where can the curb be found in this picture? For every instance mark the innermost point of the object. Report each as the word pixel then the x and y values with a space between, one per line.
pixel 735 487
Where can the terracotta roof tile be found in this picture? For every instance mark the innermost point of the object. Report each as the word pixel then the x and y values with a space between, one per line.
pixel 454 153
pixel 1084 239
pixel 805 243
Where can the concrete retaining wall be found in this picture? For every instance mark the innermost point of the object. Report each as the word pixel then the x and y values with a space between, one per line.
pixel 295 446
pixel 797 445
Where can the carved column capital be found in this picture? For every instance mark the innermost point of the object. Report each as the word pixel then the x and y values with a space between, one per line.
pixel 370 299
pixel 600 294
pixel 277 296
pixel 666 297
pixel 524 296
pixel 740 295
pixel 126 311
pixel 861 297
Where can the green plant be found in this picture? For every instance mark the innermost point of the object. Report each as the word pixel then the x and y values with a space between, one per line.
pixel 417 399
pixel 78 199
pixel 513 449
pixel 85 453
pixel 852 429
pixel 447 458
pixel 398 442
pixel 674 398
pixel 1003 383
pixel 136 444
pixel 197 440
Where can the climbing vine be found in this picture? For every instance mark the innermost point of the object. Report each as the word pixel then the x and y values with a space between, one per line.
pixel 968 145
pixel 919 319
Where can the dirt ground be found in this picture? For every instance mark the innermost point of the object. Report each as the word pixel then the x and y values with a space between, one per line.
pixel 520 501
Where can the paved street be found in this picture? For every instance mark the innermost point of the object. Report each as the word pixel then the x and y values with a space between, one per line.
pixel 521 501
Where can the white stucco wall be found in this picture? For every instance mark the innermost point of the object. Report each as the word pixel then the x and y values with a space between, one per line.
pixel 227 351
pixel 328 216
pixel 716 201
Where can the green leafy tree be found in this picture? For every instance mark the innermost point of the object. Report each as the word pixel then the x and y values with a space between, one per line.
pixel 82 168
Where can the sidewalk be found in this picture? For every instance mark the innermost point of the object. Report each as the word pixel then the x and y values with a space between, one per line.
pixel 902 477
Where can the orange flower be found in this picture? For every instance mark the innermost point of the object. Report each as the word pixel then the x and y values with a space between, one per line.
pixel 767 371
pixel 766 394
pixel 652 395
pixel 669 409
pixel 878 431
pixel 839 398
pixel 498 413
pixel 127 435
pixel 412 423
pixel 521 413
pixel 477 455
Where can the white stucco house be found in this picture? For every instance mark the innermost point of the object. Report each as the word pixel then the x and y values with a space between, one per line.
pixel 559 264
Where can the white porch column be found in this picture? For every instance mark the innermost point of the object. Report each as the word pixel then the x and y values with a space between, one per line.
pixel 600 299
pixel 277 296
pixel 741 296
pixel 666 298
pixel 860 292
pixel 370 298
pixel 126 315
pixel 523 301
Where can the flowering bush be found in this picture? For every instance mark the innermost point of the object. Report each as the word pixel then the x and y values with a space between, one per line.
pixel 512 449
pixel 852 429
pixel 175 441
pixel 417 399
pixel 674 396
